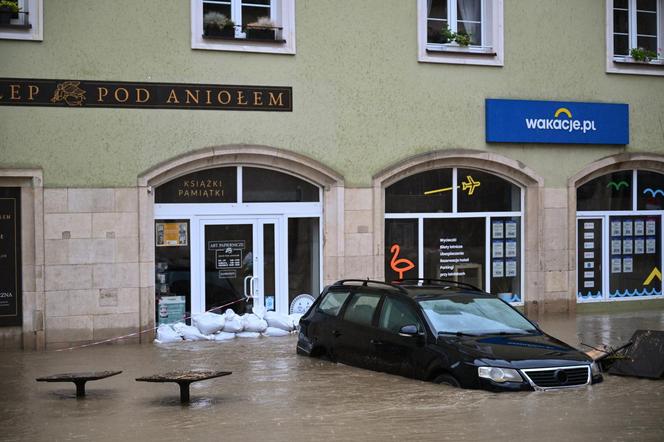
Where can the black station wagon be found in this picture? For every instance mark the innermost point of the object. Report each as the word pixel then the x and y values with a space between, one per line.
pixel 441 331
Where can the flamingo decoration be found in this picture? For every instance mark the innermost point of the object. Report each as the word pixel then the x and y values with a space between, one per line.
pixel 406 264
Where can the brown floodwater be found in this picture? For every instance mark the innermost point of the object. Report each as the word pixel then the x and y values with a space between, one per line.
pixel 273 394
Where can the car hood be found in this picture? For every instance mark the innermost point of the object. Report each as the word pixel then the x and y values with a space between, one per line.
pixel 519 351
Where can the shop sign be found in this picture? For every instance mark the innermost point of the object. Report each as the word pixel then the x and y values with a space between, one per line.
pixel 88 94
pixel 559 122
pixel 10 258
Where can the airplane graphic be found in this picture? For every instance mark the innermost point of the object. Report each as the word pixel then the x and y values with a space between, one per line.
pixel 469 185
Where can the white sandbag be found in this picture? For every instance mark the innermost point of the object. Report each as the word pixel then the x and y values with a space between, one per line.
pixel 295 318
pixel 274 332
pixel 253 323
pixel 224 336
pixel 166 334
pixel 208 322
pixel 233 323
pixel 278 320
pixel 190 333
pixel 247 334
pixel 259 310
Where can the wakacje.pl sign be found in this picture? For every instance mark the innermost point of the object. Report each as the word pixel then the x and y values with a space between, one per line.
pixel 561 122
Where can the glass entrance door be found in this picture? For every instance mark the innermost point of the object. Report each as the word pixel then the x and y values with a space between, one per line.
pixel 238 264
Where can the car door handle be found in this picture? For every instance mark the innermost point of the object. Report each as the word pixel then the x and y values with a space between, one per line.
pixel 376 342
pixel 336 333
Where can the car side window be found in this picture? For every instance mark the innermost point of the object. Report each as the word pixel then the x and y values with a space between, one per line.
pixel 395 314
pixel 361 308
pixel 331 304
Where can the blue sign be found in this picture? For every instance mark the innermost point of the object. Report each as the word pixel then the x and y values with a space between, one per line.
pixel 560 122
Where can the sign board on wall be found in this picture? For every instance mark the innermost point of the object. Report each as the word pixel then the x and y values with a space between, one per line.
pixel 84 93
pixel 559 122
pixel 10 256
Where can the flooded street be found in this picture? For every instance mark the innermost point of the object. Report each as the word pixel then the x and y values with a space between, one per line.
pixel 273 394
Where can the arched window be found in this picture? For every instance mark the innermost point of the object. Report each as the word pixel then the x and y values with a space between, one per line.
pixel 619 239
pixel 456 224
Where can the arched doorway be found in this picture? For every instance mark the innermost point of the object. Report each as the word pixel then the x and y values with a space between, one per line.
pixel 244 225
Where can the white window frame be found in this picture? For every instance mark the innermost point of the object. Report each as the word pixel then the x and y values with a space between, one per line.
pixel 490 53
pixel 618 64
pixel 487 216
pixel 604 215
pixel 282 11
pixel 35 16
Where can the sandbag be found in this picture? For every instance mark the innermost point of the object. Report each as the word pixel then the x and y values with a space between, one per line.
pixel 295 317
pixel 274 332
pixel 247 334
pixel 208 322
pixel 190 333
pixel 166 334
pixel 278 320
pixel 253 323
pixel 233 322
pixel 224 336
pixel 259 311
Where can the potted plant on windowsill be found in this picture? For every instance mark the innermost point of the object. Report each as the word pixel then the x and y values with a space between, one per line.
pixel 216 24
pixel 261 29
pixel 642 55
pixel 462 39
pixel 446 35
pixel 7 10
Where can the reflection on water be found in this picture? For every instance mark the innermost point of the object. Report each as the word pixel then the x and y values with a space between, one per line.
pixel 274 394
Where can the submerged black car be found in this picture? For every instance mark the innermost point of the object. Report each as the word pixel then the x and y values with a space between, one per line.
pixel 441 331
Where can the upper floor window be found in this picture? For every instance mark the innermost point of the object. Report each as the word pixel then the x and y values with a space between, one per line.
pixel 22 21
pixel 635 36
pixel 244 25
pixel 461 31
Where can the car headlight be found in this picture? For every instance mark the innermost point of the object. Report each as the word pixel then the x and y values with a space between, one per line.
pixel 499 374
pixel 595 370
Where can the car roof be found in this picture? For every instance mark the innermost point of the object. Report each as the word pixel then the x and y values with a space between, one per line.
pixel 420 289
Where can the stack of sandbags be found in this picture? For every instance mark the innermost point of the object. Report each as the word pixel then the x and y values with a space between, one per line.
pixel 166 334
pixel 209 323
pixel 233 323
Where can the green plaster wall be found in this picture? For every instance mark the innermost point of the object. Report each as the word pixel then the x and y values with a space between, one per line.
pixel 362 102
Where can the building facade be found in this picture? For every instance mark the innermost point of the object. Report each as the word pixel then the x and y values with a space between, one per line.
pixel 157 160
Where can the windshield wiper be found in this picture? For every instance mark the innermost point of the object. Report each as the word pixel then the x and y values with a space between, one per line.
pixel 457 333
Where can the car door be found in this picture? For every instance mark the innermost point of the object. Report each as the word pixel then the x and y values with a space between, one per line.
pixel 392 352
pixel 325 323
pixel 355 330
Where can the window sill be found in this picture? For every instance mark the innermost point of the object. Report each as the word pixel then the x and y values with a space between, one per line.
pixel 459 50
pixel 627 65
pixel 24 27
pixel 454 54
pixel 628 61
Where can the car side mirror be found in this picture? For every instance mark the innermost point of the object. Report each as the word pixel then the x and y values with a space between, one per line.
pixel 408 331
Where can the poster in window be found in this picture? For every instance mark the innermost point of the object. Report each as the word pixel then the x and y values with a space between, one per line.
pixel 510 249
pixel 588 255
pixel 171 234
pixel 616 228
pixel 650 227
pixel 497 229
pixel 627 246
pixel 588 275
pixel 639 246
pixel 639 228
pixel 588 235
pixel 651 245
pixel 589 265
pixel 510 229
pixel 616 265
pixel 497 249
pixel 628 265
pixel 589 226
pixel 588 284
pixel 498 269
pixel 627 227
pixel 589 245
pixel 616 248
pixel 510 268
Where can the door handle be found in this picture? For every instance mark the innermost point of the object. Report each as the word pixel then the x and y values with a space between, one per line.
pixel 244 284
pixel 251 286
pixel 336 333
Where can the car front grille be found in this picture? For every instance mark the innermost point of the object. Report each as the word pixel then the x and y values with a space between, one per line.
pixel 558 377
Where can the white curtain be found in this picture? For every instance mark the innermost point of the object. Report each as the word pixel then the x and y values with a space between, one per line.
pixel 470 10
pixel 429 8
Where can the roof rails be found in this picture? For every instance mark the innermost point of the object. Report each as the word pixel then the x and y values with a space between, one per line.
pixel 366 282
pixel 432 281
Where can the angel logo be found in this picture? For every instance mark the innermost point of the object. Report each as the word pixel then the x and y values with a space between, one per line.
pixel 70 93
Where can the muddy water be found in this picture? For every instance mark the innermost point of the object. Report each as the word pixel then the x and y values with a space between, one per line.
pixel 275 395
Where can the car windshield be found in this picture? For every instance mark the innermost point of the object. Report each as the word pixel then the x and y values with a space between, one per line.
pixel 474 316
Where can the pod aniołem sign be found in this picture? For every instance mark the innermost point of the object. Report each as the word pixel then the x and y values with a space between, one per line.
pixel 559 122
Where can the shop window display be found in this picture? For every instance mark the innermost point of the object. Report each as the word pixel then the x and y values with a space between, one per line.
pixel 469 222
pixel 619 237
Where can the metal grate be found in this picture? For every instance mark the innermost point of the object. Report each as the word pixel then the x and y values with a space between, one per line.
pixel 558 377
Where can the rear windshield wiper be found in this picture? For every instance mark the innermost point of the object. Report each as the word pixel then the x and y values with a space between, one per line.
pixel 457 333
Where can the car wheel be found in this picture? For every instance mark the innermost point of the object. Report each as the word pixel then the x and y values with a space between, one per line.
pixel 447 379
